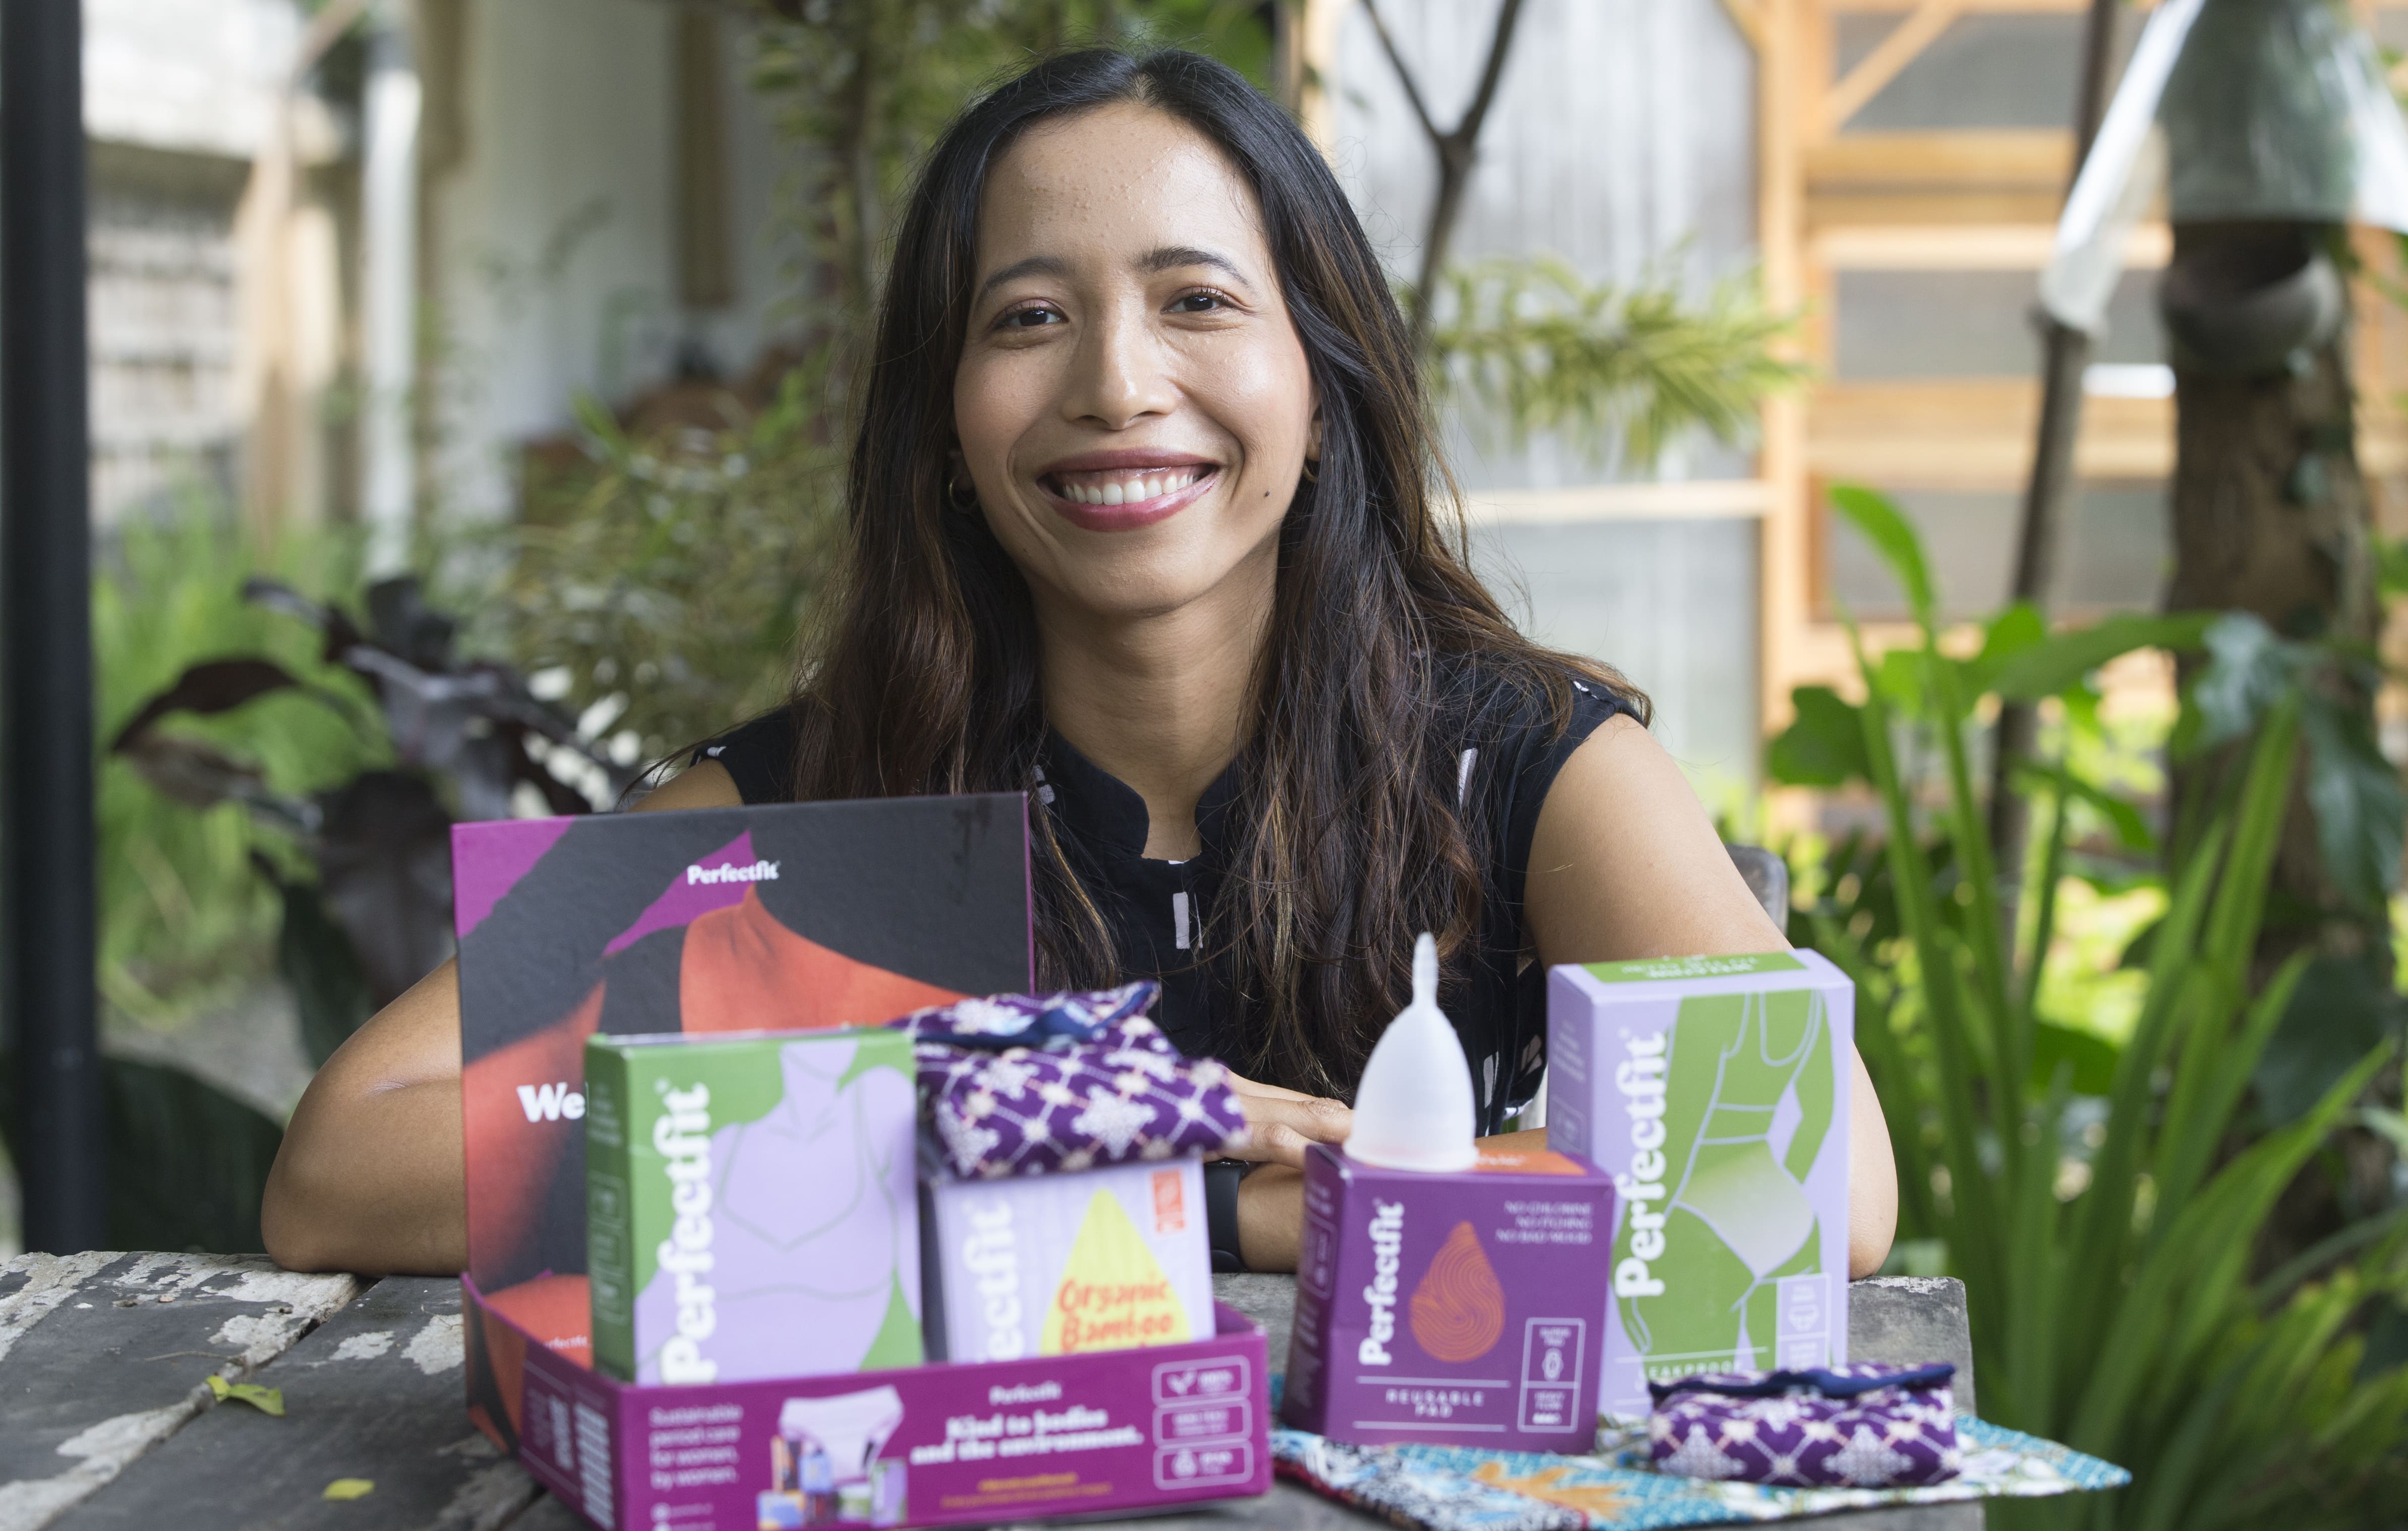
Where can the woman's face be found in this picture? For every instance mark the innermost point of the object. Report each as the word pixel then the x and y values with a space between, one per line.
pixel 1133 404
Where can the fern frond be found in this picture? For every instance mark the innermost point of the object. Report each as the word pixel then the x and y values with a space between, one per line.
pixel 1607 368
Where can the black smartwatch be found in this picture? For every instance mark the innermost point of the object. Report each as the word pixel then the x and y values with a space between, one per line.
pixel 1220 1178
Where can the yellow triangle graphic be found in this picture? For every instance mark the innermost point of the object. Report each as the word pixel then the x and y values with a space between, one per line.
pixel 1113 1294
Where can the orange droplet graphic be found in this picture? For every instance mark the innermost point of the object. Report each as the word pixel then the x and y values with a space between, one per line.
pixel 1458 1308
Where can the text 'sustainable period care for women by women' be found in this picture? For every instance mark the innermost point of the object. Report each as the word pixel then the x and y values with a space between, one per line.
pixel 1445 1294
pixel 1715 1090
pixel 750 1205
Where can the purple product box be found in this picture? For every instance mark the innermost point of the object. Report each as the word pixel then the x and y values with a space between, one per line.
pixel 1715 1090
pixel 930 1445
pixel 1458 1310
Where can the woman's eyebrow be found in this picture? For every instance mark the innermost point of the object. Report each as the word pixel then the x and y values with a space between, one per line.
pixel 1036 265
pixel 1171 257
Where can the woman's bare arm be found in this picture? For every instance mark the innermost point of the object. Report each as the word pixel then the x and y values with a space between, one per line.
pixel 1625 865
pixel 370 1177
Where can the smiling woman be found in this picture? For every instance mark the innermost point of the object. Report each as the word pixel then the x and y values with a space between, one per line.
pixel 1145 518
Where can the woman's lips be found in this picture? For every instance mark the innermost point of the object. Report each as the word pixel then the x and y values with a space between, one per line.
pixel 1143 497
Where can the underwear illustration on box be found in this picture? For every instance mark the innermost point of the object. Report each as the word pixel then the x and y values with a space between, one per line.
pixel 823 1463
pixel 1095 1084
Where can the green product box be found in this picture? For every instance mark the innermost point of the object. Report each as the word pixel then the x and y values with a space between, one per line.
pixel 751 1209
pixel 1715 1090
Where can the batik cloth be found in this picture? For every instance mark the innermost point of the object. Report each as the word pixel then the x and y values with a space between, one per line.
pixel 1458 1488
pixel 1865 1426
pixel 1032 1084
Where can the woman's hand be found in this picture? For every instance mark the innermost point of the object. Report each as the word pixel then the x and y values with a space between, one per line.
pixel 1281 1124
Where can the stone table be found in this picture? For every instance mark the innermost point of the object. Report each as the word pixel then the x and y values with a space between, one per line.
pixel 107 1418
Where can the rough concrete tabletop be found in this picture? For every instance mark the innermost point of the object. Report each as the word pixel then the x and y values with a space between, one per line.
pixel 107 1418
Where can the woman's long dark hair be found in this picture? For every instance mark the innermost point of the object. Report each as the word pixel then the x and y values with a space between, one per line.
pixel 1347 839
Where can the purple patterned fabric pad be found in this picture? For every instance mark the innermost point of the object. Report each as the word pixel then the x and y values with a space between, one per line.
pixel 1854 1426
pixel 1080 1080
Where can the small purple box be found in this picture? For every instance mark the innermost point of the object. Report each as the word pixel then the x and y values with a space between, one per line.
pixel 1462 1309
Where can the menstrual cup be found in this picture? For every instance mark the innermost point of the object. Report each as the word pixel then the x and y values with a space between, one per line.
pixel 1413 1109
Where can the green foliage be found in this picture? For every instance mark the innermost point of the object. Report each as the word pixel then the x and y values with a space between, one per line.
pixel 2112 1305
pixel 1605 366
pixel 869 83
pixel 187 1164
pixel 185 921
pixel 672 575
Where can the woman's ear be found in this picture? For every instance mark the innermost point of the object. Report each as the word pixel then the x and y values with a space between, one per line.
pixel 1313 439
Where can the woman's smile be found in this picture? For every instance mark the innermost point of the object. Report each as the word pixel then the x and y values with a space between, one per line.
pixel 1121 489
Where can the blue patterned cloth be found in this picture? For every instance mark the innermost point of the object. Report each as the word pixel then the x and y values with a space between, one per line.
pixel 1449 1488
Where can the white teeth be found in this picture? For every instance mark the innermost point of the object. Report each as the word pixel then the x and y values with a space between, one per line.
pixel 1130 490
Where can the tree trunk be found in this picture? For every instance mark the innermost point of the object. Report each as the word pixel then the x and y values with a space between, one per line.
pixel 2270 515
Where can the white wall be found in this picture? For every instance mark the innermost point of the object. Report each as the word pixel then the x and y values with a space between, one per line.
pixel 1623 140
pixel 557 235
pixel 195 76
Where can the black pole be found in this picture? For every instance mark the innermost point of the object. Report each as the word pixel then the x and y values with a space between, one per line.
pixel 46 793
pixel 2065 356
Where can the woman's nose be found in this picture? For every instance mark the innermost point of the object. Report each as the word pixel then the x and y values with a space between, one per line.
pixel 1119 375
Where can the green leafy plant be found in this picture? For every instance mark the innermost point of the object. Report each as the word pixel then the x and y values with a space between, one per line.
pixel 2110 1288
pixel 665 583
pixel 1546 351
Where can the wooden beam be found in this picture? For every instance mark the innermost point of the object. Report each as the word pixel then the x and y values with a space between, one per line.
pixel 1786 91
pixel 1892 54
pixel 1317 89
pixel 1974 433
pixel 1966 247
pixel 1743 15
pixel 1961 161
pixel 1697 499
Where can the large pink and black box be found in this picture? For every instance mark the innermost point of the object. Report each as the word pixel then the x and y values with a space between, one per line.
pixel 946 1445
pixel 1461 1310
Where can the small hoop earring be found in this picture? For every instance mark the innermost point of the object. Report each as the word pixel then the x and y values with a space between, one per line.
pixel 1312 470
pixel 958 499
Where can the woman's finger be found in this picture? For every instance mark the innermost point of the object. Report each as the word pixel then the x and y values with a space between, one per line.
pixel 1279 1128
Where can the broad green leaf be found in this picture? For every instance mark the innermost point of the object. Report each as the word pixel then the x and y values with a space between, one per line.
pixel 2057 663
pixel 2249 670
pixel 2357 801
pixel 2089 1058
pixel 1878 519
pixel 1824 746
pixel 2013 633
pixel 2132 829
pixel 2341 1010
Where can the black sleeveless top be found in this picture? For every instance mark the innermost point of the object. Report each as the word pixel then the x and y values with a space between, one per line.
pixel 1508 752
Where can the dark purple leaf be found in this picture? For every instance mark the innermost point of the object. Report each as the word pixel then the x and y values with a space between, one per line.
pixel 339 637
pixel 405 625
pixel 216 685
pixel 384 871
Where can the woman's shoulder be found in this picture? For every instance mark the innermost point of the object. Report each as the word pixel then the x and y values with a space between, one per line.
pixel 1509 723
pixel 1523 703
pixel 759 755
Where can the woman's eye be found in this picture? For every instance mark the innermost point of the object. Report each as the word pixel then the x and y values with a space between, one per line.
pixel 1198 303
pixel 1029 318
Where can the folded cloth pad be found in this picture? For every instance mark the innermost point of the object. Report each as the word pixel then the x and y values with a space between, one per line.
pixel 1854 1426
pixel 1028 1084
